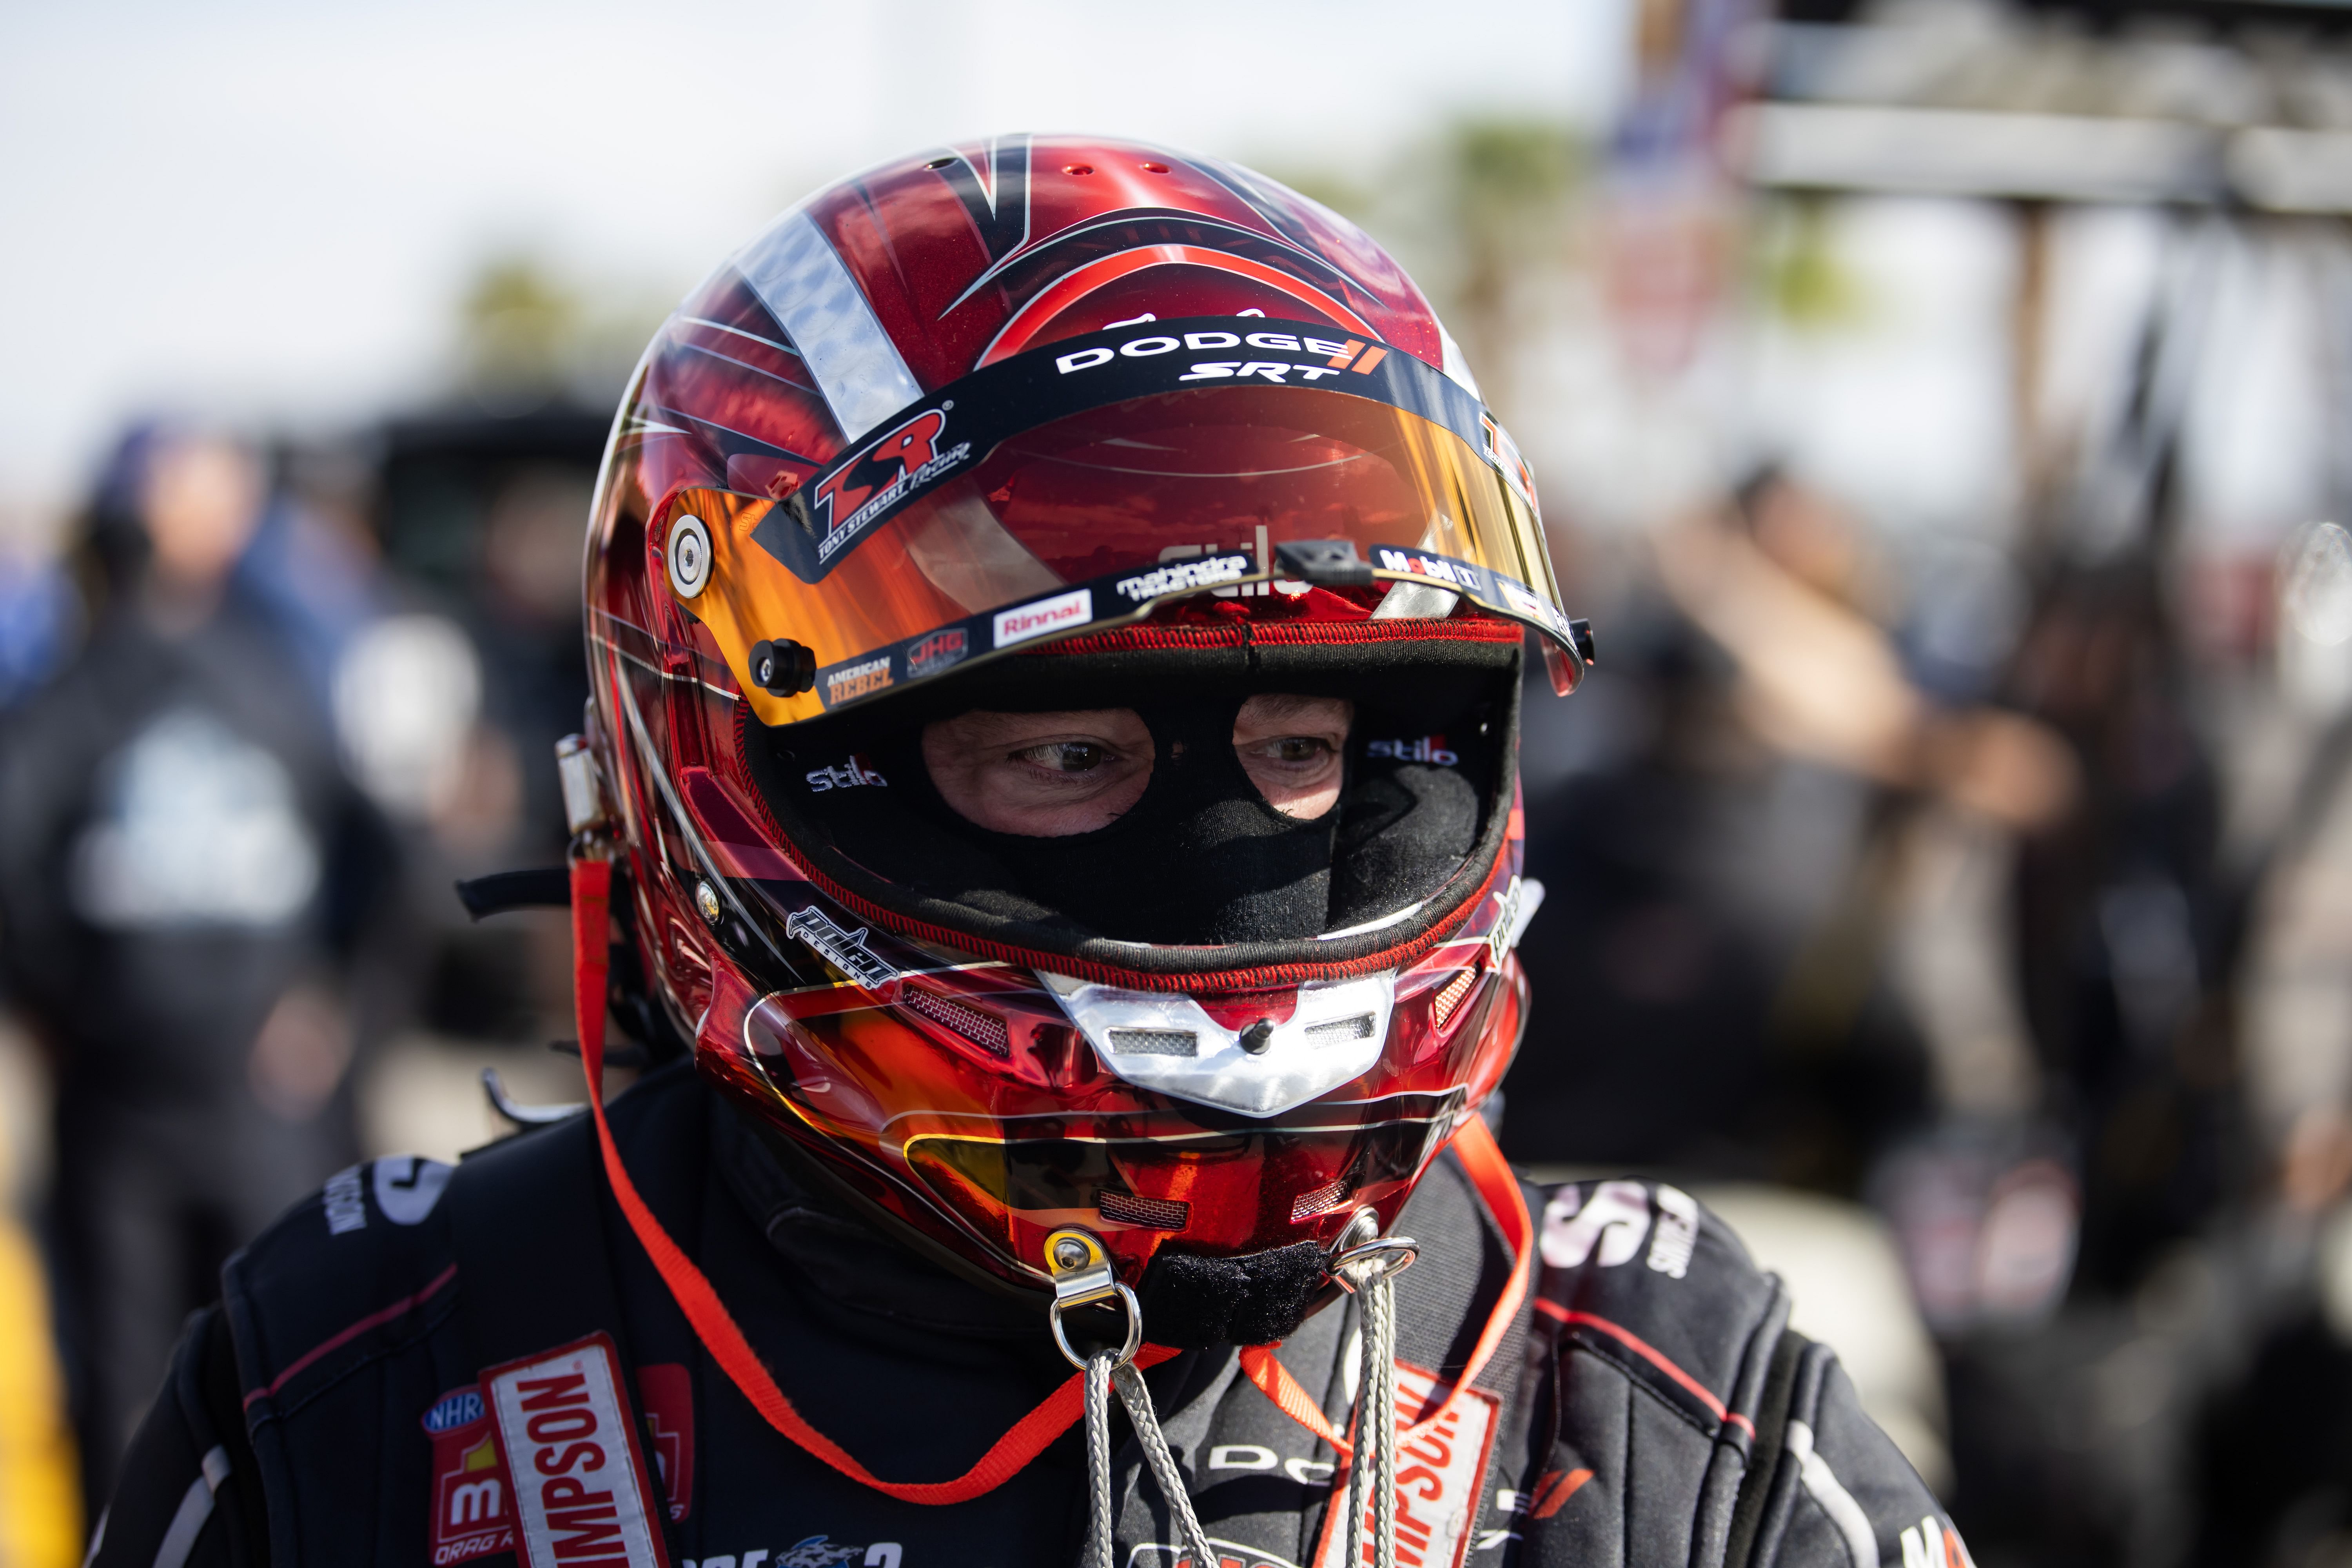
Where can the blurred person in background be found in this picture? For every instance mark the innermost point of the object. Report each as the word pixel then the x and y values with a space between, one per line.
pixel 183 874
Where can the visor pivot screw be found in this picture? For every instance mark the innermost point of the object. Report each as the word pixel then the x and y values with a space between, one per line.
pixel 783 668
pixel 689 554
pixel 1069 1253
pixel 1258 1036
pixel 706 898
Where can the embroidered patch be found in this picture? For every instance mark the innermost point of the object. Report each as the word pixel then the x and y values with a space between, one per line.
pixel 585 1501
pixel 1437 1479
pixel 473 1499
pixel 665 1396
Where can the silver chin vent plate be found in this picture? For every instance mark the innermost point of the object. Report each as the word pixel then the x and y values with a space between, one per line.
pixel 1165 1042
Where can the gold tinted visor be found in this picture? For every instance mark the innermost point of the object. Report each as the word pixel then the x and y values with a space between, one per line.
pixel 1085 522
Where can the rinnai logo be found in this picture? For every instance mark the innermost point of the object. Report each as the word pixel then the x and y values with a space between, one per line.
pixel 890 467
pixel 585 1498
pixel 1428 749
pixel 1438 1473
pixel 850 774
pixel 1071 609
pixel 857 680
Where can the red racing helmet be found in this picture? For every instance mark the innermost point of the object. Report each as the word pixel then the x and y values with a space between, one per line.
pixel 1063 424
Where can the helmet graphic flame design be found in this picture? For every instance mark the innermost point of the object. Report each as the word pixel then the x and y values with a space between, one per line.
pixel 1051 424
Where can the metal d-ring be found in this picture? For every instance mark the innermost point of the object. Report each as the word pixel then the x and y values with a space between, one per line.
pixel 1134 1328
pixel 1361 1256
pixel 1083 1276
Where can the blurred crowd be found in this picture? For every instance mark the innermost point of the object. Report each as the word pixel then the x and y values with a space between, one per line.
pixel 1949 862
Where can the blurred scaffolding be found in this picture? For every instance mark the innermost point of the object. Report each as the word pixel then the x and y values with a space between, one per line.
pixel 1940 409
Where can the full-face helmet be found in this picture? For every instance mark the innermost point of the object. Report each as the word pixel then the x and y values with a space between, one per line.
pixel 1048 424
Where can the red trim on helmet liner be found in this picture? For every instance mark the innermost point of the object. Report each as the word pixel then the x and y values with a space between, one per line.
pixel 1189 634
pixel 1498 1188
pixel 591 883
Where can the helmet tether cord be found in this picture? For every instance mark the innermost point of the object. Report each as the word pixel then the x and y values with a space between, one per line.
pixel 1098 1500
pixel 591 883
pixel 1136 1396
pixel 1491 1175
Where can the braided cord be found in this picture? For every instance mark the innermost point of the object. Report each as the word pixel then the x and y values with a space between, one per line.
pixel 1136 1394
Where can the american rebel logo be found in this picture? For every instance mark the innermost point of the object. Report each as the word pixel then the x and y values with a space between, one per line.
pixel 895 464
pixel 584 1498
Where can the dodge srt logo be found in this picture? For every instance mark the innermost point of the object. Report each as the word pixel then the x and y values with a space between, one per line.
pixel 870 484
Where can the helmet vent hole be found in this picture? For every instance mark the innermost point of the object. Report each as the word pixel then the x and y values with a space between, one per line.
pixel 1153 168
pixel 1322 1200
pixel 986 1032
pixel 1359 1028
pixel 939 162
pixel 1077 168
pixel 1155 1043
pixel 1451 997
pixel 1152 1214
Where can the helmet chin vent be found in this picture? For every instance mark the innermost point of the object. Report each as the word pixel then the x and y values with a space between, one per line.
pixel 1155 1042
pixel 1322 1200
pixel 1151 1214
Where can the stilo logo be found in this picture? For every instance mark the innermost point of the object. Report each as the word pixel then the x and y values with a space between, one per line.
pixel 850 774
pixel 1428 749
pixel 889 468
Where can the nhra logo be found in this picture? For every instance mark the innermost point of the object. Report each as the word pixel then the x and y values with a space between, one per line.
pixel 885 472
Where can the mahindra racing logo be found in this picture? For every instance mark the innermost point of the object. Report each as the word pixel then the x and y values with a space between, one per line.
pixel 891 467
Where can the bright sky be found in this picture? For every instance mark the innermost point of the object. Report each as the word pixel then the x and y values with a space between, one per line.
pixel 271 208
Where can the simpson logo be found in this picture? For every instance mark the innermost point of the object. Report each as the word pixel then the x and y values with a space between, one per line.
pixel 856 680
pixel 1179 576
pixel 938 651
pixel 1437 1480
pixel 1428 749
pixel 845 950
pixel 1074 608
pixel 585 1498
pixel 892 468
pixel 472 1498
pixel 1608 1229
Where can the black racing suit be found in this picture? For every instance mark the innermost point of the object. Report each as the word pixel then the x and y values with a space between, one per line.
pixel 1648 1404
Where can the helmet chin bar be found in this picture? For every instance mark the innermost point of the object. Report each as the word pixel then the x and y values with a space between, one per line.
pixel 1167 1043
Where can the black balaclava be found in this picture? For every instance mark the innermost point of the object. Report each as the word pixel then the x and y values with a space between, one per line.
pixel 1201 856
pixel 1200 859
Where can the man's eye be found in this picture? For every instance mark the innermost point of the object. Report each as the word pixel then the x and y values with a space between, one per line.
pixel 1068 756
pixel 1300 749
